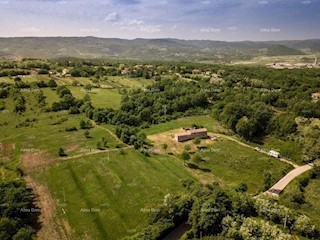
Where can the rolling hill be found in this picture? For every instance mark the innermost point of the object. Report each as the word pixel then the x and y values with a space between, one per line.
pixel 149 49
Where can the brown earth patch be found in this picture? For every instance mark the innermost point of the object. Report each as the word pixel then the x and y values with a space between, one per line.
pixel 72 147
pixel 6 151
pixel 51 226
pixel 32 161
pixel 174 146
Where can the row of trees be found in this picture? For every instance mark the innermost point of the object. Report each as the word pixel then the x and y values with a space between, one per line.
pixel 17 213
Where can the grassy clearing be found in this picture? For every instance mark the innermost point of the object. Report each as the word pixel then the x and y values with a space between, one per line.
pixel 289 149
pixel 120 81
pixel 235 164
pixel 99 97
pixel 44 132
pixel 115 189
pixel 44 136
pixel 51 95
pixel 205 120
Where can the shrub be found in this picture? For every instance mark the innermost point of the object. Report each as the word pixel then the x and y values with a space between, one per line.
pixel 192 165
pixel 2 105
pixel 243 187
pixel 187 147
pixel 61 152
pixel 304 226
pixel 87 134
pixel 185 156
pixel 197 158
pixel 85 124
pixel 197 140
pixel 71 129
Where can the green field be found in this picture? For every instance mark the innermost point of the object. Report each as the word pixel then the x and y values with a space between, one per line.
pixel 125 82
pixel 44 136
pixel 235 164
pixel 289 149
pixel 119 187
pixel 100 98
pixel 205 120
pixel 46 132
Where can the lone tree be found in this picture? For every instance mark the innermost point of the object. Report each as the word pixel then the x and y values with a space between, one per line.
pixel 185 156
pixel 61 152
pixel 87 134
pixel 88 87
pixel 165 147
pixel 52 84
pixel 85 124
pixel 102 144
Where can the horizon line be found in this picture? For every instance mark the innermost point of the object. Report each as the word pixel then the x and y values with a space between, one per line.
pixel 164 38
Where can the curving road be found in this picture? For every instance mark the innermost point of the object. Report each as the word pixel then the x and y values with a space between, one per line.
pixel 280 186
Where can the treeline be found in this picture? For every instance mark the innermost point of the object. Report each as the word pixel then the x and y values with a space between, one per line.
pixel 213 213
pixel 18 215
pixel 11 72
pixel 161 102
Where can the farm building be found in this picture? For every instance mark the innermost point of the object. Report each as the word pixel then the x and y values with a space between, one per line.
pixel 190 134
pixel 273 153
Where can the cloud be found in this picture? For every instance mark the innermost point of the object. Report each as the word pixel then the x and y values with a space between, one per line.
pixel 129 24
pixel 111 17
pixel 138 26
pixel 4 2
pixel 306 2
pixel 106 2
pixel 163 2
pixel 205 2
pixel 30 30
pixel 150 28
pixel 263 2
pixel 62 2
pixel 233 28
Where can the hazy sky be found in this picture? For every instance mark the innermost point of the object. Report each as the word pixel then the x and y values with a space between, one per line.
pixel 230 20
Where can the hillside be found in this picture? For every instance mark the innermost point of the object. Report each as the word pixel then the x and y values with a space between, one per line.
pixel 148 49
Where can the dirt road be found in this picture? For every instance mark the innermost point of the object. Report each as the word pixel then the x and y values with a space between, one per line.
pixel 280 186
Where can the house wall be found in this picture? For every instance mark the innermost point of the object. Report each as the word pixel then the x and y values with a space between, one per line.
pixel 187 137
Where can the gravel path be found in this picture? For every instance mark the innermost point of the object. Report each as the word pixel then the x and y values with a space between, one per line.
pixel 279 186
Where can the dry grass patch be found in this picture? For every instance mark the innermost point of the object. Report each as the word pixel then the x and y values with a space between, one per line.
pixel 51 226
pixel 173 146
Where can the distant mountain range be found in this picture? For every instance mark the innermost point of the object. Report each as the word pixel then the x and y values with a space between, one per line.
pixel 150 49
